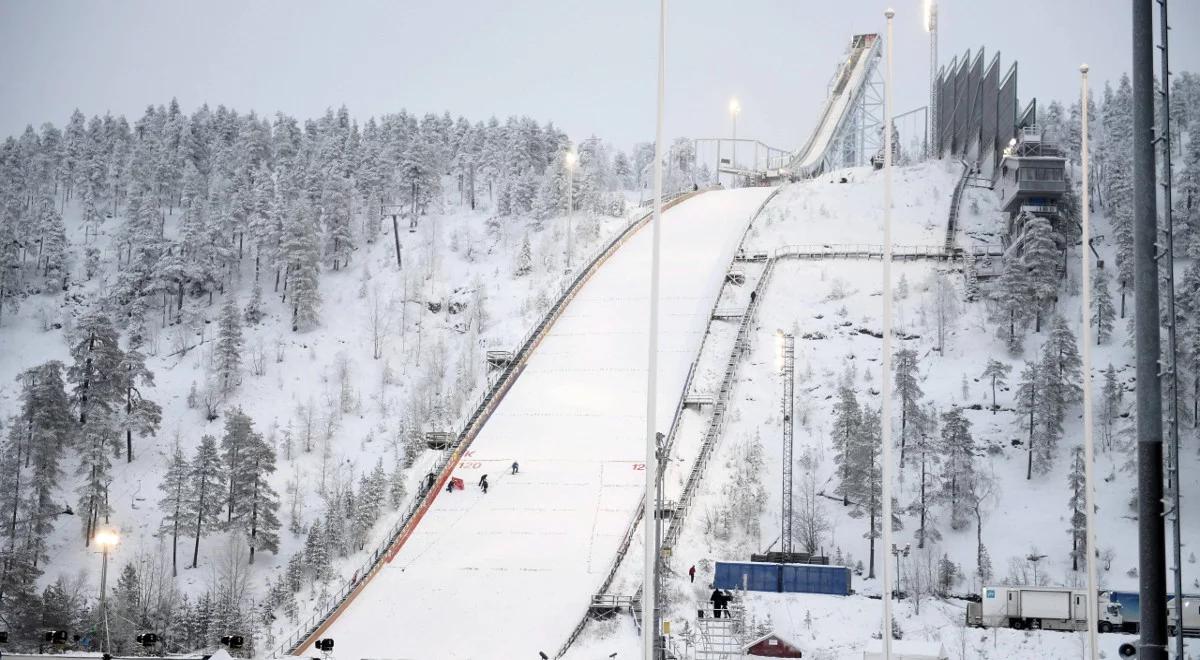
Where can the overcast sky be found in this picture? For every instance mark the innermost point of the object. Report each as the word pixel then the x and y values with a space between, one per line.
pixel 587 66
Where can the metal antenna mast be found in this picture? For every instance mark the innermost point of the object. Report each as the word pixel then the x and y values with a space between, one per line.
pixel 1173 371
pixel 788 371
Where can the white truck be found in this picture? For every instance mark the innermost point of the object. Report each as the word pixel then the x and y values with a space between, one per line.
pixel 1051 608
pixel 1191 617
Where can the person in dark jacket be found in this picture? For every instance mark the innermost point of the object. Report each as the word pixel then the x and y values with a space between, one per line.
pixel 483 483
pixel 515 467
pixel 717 599
pixel 692 572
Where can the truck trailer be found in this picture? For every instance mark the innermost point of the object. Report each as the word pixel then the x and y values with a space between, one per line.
pixel 1191 617
pixel 1050 608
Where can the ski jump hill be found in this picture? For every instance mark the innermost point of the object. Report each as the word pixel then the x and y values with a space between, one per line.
pixel 503 574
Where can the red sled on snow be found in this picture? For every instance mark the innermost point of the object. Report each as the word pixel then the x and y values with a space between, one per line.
pixel 456 484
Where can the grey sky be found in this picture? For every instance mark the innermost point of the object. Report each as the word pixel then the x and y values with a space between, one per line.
pixel 588 66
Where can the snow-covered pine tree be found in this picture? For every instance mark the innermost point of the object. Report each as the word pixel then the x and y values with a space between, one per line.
pixel 958 464
pixel 1110 406
pixel 257 513
pixel 138 414
pixel 524 261
pixel 174 503
pixel 909 391
pixel 847 425
pixel 996 372
pixel 1062 370
pixel 1076 508
pixel 1011 302
pixel 302 258
pixel 1103 313
pixel 1118 193
pixel 1028 400
pixel 1041 256
pixel 926 453
pixel 97 378
pixel 228 354
pixel 49 428
pixel 206 475
pixel 254 309
pixel 236 448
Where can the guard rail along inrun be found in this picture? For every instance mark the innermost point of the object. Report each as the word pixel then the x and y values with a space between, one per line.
pixel 332 606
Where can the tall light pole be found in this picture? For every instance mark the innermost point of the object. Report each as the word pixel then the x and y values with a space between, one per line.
pixel 650 633
pixel 1152 550
pixel 570 159
pixel 886 358
pixel 107 538
pixel 1088 443
pixel 735 109
pixel 931 26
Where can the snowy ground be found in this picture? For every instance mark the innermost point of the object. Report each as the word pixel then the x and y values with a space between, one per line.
pixel 524 558
pixel 446 259
pixel 830 301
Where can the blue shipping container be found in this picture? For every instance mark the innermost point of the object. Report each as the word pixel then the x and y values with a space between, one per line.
pixel 788 578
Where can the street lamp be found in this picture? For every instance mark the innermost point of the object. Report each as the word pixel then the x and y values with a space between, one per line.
pixel 898 553
pixel 735 109
pixel 570 159
pixel 107 538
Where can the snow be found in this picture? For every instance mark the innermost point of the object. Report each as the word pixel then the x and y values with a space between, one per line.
pixel 832 301
pixel 522 561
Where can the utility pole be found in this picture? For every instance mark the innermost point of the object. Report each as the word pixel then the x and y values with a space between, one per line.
pixel 931 117
pixel 650 560
pixel 886 358
pixel 1089 446
pixel 1151 541
pixel 1173 371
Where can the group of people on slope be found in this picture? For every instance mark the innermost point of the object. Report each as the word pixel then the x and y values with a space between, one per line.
pixel 483 481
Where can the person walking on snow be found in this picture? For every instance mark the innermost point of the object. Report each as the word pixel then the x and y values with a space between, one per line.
pixel 692 572
pixel 515 467
pixel 483 483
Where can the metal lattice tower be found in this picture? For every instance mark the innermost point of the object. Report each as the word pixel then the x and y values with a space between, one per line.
pixel 788 372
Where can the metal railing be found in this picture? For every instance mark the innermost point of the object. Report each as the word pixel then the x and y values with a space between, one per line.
pixel 955 202
pixel 482 409
pixel 669 442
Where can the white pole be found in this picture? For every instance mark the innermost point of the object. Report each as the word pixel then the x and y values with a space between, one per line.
pixel 570 211
pixel 1088 443
pixel 650 516
pixel 104 596
pixel 886 384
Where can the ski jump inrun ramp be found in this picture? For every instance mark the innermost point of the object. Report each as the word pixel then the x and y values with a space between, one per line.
pixel 502 574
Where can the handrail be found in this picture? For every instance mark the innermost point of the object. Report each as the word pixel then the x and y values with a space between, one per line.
pixel 485 405
pixel 955 203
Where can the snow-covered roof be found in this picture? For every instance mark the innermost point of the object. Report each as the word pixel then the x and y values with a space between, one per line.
pixel 769 636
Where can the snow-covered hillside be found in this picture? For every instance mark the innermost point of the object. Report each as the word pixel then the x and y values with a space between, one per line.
pixel 832 308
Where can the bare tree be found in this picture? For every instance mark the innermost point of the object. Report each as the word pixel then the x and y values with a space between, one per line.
pixel 809 518
pixel 379 320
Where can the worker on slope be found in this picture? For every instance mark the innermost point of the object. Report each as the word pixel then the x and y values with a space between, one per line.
pixel 515 467
pixel 692 572
pixel 483 483
pixel 717 598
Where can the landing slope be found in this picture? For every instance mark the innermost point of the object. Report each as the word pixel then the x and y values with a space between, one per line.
pixel 503 574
